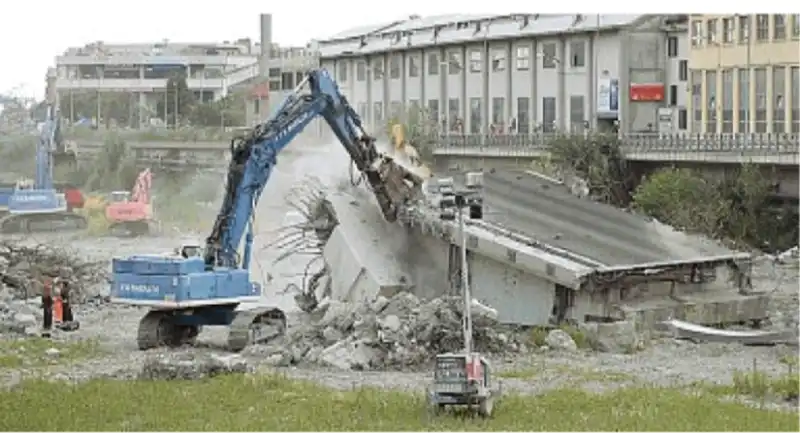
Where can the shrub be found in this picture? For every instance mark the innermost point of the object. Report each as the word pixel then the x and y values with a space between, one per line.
pixel 735 206
pixel 596 158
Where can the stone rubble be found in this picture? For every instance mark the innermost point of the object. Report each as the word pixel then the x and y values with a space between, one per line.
pixel 23 270
pixel 400 333
pixel 191 366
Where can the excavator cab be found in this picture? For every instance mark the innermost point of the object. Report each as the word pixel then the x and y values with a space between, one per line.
pixel 119 197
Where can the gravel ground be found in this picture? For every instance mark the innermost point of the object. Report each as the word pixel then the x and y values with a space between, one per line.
pixel 664 362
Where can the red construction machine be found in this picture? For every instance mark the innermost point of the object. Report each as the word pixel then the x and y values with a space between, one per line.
pixel 131 213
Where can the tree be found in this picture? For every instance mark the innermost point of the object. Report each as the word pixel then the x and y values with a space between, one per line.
pixel 179 100
pixel 598 159
pixel 735 206
pixel 227 111
pixel 106 107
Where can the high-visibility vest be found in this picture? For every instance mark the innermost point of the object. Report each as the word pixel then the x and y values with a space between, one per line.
pixel 58 309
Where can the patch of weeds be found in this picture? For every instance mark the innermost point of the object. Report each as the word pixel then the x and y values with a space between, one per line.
pixel 758 384
pixel 274 403
pixel 539 335
pixel 36 352
pixel 793 361
pixel 522 373
pixel 577 374
pixel 590 375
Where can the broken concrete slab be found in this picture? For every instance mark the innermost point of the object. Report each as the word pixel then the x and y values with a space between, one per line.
pixel 362 250
pixel 691 331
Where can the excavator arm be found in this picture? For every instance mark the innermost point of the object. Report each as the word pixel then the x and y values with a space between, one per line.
pixel 254 156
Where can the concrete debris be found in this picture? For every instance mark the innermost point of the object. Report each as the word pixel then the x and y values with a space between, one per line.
pixel 790 256
pixel 191 366
pixel 18 316
pixel 402 332
pixel 690 331
pixel 23 270
pixel 614 337
pixel 558 339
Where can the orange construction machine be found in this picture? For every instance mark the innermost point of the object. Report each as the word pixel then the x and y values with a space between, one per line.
pixel 131 213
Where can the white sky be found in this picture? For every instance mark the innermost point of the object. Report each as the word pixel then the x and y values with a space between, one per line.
pixel 35 31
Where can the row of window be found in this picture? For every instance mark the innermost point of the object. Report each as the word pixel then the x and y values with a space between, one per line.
pixel 736 29
pixel 454 63
pixel 716 103
pixel 499 122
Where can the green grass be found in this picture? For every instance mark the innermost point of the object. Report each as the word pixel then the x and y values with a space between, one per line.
pixel 32 352
pixel 269 403
pixel 575 374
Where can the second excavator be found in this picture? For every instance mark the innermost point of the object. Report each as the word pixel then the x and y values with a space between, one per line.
pixel 131 213
pixel 36 204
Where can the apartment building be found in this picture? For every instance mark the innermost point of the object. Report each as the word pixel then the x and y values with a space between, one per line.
pixel 745 73
pixel 212 70
pixel 517 73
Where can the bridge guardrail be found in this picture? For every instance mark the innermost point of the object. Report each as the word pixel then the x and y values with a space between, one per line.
pixel 636 142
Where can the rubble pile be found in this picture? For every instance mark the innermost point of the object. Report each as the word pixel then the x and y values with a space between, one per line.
pixel 398 333
pixel 24 268
pixel 191 366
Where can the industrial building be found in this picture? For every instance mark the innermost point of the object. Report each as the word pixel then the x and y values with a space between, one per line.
pixel 142 70
pixel 745 73
pixel 518 73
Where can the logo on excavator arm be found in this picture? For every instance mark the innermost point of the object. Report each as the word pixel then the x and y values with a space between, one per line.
pixel 293 125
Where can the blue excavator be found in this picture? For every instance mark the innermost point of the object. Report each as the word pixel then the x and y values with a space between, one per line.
pixel 204 286
pixel 33 205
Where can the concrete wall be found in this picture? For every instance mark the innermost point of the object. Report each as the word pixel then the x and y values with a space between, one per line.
pixel 745 73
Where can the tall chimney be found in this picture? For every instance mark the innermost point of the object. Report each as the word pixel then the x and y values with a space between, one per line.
pixel 266 44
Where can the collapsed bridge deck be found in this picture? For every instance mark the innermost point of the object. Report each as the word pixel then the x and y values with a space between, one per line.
pixel 607 235
pixel 541 255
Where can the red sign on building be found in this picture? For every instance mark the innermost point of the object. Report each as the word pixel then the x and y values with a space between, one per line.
pixel 647 92
pixel 260 91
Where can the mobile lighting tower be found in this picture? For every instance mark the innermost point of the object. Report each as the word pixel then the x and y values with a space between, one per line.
pixel 462 379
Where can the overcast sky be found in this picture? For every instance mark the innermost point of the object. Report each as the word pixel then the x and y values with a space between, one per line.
pixel 34 32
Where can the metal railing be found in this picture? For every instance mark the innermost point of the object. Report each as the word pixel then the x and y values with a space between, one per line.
pixel 153 134
pixel 633 142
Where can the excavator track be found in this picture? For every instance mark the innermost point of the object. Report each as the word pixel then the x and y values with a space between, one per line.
pixel 157 329
pixel 41 222
pixel 130 229
pixel 249 325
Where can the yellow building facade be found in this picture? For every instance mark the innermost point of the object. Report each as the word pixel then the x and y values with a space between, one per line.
pixel 744 73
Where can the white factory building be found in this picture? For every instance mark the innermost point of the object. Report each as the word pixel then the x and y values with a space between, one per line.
pixel 518 73
pixel 212 69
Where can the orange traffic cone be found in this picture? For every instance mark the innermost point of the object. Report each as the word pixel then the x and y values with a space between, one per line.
pixel 58 310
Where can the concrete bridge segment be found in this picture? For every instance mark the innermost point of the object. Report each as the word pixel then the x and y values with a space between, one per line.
pixel 531 279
